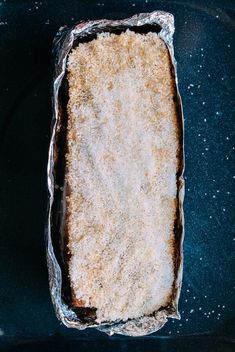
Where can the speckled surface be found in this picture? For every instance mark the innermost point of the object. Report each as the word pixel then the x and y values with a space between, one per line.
pixel 204 49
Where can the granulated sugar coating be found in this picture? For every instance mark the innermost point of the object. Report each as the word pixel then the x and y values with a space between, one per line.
pixel 122 162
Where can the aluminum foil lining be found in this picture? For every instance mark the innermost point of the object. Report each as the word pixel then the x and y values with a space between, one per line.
pixel 163 23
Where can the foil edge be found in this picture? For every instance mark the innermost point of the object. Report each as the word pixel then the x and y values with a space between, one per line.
pixel 64 41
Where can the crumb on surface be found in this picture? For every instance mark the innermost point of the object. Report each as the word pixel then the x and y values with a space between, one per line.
pixel 121 171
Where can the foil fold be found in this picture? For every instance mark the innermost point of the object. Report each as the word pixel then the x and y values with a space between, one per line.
pixel 163 23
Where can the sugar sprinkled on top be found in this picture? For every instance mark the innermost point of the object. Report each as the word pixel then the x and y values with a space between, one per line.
pixel 122 164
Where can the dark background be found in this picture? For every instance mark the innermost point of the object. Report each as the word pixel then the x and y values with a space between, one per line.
pixel 204 49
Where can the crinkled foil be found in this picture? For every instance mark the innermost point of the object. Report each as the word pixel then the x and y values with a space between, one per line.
pixel 163 23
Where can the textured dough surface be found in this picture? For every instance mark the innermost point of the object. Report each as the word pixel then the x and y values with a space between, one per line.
pixel 121 174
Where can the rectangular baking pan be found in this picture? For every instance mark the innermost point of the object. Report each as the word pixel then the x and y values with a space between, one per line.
pixel 81 318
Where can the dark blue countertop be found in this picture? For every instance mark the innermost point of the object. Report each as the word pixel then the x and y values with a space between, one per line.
pixel 204 50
